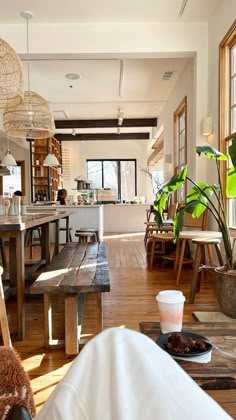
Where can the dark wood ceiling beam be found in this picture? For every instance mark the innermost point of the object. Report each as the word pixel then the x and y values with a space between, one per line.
pixel 128 122
pixel 102 136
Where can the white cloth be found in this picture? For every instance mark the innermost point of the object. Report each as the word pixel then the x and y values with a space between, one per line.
pixel 123 375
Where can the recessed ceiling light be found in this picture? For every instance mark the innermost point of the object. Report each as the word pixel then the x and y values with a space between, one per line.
pixel 72 76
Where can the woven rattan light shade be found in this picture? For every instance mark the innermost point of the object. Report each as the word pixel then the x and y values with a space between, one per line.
pixel 11 76
pixel 32 119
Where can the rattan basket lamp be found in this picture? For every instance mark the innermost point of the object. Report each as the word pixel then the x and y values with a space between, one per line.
pixel 11 76
pixel 33 118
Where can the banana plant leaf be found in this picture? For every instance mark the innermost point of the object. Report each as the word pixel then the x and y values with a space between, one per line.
pixel 210 152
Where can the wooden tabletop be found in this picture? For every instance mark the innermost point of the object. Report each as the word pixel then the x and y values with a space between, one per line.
pixel 12 223
pixel 220 373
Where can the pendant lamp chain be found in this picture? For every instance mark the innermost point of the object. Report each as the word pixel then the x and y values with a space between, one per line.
pixel 33 118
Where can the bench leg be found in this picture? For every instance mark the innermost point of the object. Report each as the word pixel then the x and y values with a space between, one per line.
pixel 47 320
pixel 71 324
pixel 99 299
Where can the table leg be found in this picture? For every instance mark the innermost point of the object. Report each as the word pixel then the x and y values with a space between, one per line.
pixel 67 229
pixel 99 298
pixel 45 247
pixel 71 324
pixel 17 275
pixel 180 262
pixel 57 233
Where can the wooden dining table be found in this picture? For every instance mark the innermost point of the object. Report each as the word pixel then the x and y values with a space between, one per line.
pixel 14 228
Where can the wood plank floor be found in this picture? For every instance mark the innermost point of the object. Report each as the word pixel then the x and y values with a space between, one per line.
pixel 131 300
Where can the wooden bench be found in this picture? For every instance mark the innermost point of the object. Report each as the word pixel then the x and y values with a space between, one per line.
pixel 80 268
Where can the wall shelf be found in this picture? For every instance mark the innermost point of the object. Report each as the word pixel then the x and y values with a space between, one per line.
pixel 44 179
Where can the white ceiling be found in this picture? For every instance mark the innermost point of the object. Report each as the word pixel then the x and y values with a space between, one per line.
pixel 102 88
pixel 107 10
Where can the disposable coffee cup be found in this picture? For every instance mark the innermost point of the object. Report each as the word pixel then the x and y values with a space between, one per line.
pixel 171 308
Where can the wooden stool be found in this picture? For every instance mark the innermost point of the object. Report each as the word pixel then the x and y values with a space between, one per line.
pixel 161 237
pixel 92 230
pixel 203 245
pixel 86 236
pixel 30 240
pixel 3 315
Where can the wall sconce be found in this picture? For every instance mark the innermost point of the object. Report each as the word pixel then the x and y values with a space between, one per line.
pixel 207 128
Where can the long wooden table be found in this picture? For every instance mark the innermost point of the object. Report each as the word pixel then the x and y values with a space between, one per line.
pixel 220 372
pixel 14 227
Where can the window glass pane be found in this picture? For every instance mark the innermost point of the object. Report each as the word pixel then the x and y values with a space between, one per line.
pixel 94 171
pixel 12 182
pixel 110 173
pixel 234 59
pixel 182 139
pixel 182 122
pixel 233 128
pixel 127 170
pixel 233 91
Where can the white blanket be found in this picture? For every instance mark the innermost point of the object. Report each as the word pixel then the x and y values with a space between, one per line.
pixel 123 375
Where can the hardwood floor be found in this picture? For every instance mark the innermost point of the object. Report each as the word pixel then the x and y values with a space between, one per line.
pixel 131 300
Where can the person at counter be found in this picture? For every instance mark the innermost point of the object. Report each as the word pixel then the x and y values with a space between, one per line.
pixel 61 196
pixel 17 193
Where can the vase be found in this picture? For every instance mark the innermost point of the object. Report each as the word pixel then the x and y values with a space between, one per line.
pixel 225 286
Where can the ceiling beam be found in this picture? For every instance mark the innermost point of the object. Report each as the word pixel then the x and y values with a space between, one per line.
pixel 102 136
pixel 127 122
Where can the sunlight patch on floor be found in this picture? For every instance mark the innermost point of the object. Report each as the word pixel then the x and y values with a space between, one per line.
pixel 122 235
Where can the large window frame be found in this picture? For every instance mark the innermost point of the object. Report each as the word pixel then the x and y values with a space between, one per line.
pixel 180 145
pixel 119 161
pixel 227 109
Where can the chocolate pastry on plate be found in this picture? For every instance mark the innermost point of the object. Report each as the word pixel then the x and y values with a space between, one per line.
pixel 178 343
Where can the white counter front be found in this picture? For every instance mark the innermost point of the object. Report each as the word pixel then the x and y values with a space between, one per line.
pixel 125 217
pixel 83 217
pixel 106 218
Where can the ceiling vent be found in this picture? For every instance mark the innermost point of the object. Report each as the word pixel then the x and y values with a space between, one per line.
pixel 167 75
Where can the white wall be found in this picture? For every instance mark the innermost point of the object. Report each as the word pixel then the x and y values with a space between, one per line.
pixel 124 149
pixel 184 87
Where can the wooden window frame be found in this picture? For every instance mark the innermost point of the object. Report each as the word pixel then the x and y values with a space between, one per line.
pixel 182 109
pixel 225 98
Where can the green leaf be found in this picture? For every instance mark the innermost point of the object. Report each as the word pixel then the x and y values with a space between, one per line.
pixel 232 151
pixel 200 191
pixel 196 208
pixel 231 183
pixel 210 152
pixel 158 218
pixel 176 181
pixel 178 223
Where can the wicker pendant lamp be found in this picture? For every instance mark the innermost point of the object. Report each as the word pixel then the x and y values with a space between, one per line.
pixel 33 118
pixel 11 76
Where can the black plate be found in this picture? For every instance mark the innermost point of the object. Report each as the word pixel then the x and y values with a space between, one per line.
pixel 163 338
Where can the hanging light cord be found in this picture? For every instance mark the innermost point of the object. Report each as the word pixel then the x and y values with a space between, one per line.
pixel 27 35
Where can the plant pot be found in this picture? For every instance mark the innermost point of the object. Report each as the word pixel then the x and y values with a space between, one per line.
pixel 225 285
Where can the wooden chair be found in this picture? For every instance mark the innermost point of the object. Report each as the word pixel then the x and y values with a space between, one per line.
pixel 152 227
pixel 3 315
pixel 178 257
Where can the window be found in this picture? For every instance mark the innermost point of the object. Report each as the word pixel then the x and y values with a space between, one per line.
pixel 227 115
pixel 118 175
pixel 180 144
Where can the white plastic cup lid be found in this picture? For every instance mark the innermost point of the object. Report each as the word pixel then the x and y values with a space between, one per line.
pixel 170 296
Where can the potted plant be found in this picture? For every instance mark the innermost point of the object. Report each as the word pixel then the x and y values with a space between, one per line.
pixel 204 196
